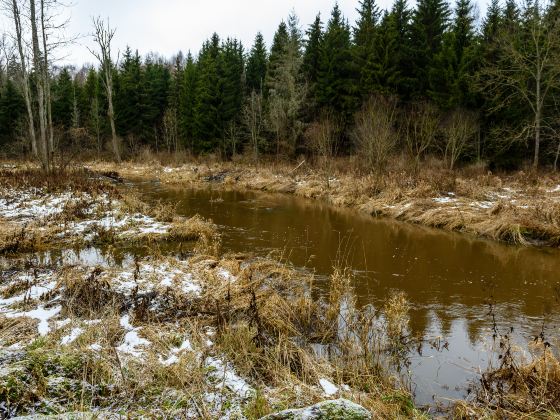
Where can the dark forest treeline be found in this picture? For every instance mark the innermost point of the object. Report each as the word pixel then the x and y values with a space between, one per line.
pixel 428 80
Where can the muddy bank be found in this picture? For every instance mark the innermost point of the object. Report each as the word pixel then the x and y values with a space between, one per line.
pixel 202 335
pixel 523 209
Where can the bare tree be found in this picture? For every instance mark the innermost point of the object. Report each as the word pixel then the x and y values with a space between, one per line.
pixel 46 78
pixel 103 36
pixel 171 130
pixel 14 11
pixel 322 140
pixel 253 120
pixel 460 131
pixel 287 94
pixel 42 76
pixel 5 57
pixel 527 71
pixel 419 130
pixel 232 136
pixel 375 132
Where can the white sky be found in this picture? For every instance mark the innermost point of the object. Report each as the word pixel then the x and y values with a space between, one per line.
pixel 167 26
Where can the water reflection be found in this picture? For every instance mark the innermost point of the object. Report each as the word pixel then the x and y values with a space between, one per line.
pixel 449 278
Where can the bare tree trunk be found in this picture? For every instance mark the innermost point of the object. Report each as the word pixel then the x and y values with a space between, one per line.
pixel 103 37
pixel 47 83
pixel 38 64
pixel 25 78
pixel 538 114
pixel 556 158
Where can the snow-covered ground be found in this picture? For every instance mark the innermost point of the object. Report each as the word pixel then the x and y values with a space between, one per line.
pixel 95 215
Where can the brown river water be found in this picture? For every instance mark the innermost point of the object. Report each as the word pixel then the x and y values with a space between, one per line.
pixel 449 278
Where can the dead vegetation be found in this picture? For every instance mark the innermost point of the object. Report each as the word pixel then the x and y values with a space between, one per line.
pixel 80 207
pixel 524 384
pixel 205 337
pixel 520 208
pixel 261 317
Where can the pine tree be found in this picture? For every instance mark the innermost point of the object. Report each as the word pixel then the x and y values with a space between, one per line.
pixel 187 103
pixel 449 78
pixel 336 83
pixel 256 65
pixel 429 23
pixel 12 111
pixel 63 100
pixel 206 125
pixel 365 34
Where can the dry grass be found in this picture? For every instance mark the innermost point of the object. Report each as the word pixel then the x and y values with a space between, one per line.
pixel 267 323
pixel 520 208
pixel 16 239
pixel 198 229
pixel 523 386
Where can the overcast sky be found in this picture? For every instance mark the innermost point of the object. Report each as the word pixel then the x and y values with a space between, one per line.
pixel 167 26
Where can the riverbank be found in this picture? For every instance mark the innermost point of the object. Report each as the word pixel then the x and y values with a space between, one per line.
pixel 521 208
pixel 195 334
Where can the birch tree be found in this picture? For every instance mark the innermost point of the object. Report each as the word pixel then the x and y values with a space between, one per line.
pixel 103 37
pixel 527 70
pixel 254 121
pixel 42 76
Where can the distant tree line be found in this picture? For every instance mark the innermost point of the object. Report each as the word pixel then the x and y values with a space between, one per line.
pixel 422 81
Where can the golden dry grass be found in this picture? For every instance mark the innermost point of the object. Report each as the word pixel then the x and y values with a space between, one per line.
pixel 526 215
pixel 523 386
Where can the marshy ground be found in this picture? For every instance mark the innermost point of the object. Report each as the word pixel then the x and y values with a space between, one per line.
pixel 521 208
pixel 200 333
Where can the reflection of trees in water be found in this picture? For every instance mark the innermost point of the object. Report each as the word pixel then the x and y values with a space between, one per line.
pixel 476 322
pixel 454 272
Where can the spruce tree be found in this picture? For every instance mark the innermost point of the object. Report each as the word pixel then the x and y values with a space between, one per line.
pixel 429 23
pixel 206 124
pixel 128 95
pixel 12 111
pixel 187 102
pixel 154 91
pixel 286 93
pixel 231 82
pixel 93 114
pixel 393 51
pixel 336 89
pixel 365 34
pixel 312 54
pixel 449 77
pixel 277 53
pixel 256 65
pixel 63 100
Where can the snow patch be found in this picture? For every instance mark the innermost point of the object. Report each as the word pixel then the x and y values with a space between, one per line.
pixel 41 314
pixel 173 357
pixel 131 340
pixel 70 338
pixel 226 275
pixel 226 376
pixel 329 388
pixel 444 200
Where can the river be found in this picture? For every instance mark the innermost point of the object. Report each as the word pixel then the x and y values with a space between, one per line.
pixel 449 278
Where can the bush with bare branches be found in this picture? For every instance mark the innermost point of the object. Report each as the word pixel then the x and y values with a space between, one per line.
pixel 375 133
